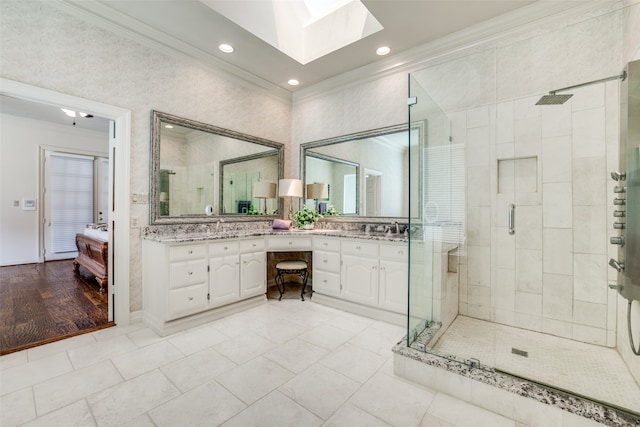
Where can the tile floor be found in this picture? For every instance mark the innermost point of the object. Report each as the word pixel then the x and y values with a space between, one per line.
pixel 287 363
pixel 590 370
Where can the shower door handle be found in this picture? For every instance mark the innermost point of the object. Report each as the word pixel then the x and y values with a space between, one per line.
pixel 512 218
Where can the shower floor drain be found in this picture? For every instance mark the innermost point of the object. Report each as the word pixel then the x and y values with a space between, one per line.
pixel 520 352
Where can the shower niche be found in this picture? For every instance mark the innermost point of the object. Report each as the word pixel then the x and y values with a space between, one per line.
pixel 519 175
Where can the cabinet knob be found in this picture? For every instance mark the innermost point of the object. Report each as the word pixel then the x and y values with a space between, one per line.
pixel 358 247
pixel 291 243
pixel 190 252
pixel 226 247
pixel 190 298
pixel 324 281
pixel 400 252
pixel 326 244
pixel 190 273
pixel 324 260
pixel 254 245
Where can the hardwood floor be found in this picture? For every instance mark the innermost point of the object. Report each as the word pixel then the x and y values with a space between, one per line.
pixel 41 303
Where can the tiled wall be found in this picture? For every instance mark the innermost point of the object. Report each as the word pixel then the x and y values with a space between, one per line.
pixel 551 162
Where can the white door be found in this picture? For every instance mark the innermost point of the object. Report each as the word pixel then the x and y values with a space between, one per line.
pixel 393 285
pixel 102 190
pixel 253 276
pixel 224 280
pixel 360 279
pixel 68 202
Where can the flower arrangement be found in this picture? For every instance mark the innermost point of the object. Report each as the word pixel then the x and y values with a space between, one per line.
pixel 305 216
pixel 331 211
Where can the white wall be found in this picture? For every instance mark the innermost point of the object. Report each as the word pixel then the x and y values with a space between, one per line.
pixel 45 47
pixel 20 142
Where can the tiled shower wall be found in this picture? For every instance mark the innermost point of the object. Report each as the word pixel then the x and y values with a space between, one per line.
pixel 552 163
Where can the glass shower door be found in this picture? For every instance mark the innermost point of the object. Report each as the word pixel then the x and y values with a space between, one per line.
pixel 430 211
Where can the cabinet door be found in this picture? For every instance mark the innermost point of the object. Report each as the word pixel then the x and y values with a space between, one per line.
pixel 224 283
pixel 393 285
pixel 253 274
pixel 360 279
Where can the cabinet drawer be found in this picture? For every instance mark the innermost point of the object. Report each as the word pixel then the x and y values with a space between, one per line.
pixel 326 243
pixel 288 243
pixel 360 248
pixel 399 252
pixel 186 252
pixel 253 245
pixel 326 261
pixel 187 273
pixel 223 248
pixel 189 300
pixel 326 283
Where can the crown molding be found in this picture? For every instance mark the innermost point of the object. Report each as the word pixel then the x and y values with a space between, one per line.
pixel 485 34
pixel 95 12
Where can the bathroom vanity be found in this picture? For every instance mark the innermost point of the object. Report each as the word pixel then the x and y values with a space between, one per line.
pixel 195 278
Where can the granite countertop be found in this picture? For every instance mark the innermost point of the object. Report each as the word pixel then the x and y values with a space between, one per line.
pixel 179 236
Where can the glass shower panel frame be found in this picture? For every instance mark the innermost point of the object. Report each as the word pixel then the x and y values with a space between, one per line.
pixel 429 201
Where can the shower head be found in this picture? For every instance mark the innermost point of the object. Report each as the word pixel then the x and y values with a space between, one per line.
pixel 553 99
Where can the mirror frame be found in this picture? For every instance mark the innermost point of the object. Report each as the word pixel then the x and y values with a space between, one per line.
pixel 157 119
pixel 346 138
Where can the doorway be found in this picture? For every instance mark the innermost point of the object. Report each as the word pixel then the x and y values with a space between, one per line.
pixel 118 212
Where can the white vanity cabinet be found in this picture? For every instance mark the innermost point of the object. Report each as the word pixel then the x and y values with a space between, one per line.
pixel 253 268
pixel 360 271
pixel 394 280
pixel 224 273
pixel 326 265
pixel 175 280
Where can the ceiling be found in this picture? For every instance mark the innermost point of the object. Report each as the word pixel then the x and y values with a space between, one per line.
pixel 195 28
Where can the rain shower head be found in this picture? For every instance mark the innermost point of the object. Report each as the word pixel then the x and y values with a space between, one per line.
pixel 553 99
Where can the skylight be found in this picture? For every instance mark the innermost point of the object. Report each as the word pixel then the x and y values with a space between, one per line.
pixel 304 30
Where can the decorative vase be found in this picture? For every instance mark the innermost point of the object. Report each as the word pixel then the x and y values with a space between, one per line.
pixel 308 226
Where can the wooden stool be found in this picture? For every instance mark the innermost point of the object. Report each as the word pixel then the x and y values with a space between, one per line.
pixel 291 267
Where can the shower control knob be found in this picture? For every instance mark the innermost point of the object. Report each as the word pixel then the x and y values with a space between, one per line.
pixel 617 265
pixel 619 202
pixel 618 176
pixel 618 225
pixel 617 241
pixel 619 214
pixel 619 189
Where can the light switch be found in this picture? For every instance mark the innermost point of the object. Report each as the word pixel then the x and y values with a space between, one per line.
pixel 16 203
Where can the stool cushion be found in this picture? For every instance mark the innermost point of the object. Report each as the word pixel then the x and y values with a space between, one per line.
pixel 291 265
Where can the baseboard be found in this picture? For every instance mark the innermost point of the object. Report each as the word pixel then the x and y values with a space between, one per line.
pixel 362 310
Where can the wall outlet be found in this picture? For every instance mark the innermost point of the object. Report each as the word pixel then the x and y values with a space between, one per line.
pixel 16 203
pixel 135 222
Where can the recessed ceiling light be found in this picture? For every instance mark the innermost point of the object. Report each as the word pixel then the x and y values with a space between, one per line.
pixel 168 126
pixel 293 82
pixel 383 50
pixel 226 48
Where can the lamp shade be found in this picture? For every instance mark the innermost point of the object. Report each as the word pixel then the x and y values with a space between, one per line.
pixel 317 191
pixel 290 188
pixel 264 190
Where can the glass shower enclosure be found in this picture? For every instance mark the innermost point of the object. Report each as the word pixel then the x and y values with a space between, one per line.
pixel 434 227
